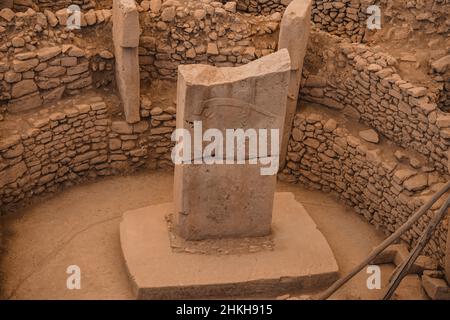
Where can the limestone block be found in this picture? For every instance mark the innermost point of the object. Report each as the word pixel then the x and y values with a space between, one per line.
pixel 6 4
pixel 12 174
pixel 125 23
pixel 441 65
pixel 294 34
pixel 25 103
pixel 437 289
pixel 294 31
pixel 23 87
pixel 126 41
pixel 228 200
pixel 7 14
pixel 369 135
pixel 215 201
pixel 128 82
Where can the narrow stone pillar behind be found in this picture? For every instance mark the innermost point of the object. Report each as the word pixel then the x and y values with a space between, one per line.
pixel 229 200
pixel 126 33
pixel 294 35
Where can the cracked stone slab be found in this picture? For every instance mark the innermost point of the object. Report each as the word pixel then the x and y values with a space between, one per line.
pixel 301 259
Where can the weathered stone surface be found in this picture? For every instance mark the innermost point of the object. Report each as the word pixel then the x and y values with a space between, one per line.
pixel 437 289
pixel 158 272
pixel 442 64
pixel 222 200
pixel 126 23
pixel 121 127
pixel 391 254
pixel 23 87
pixel 45 54
pixel 155 6
pixel 417 183
pixel 367 178
pixel 370 135
pixel 23 66
pixel 12 174
pixel 410 289
pixel 401 175
pixel 25 103
pixel 294 35
pixel 6 13
pixel 294 31
pixel 126 42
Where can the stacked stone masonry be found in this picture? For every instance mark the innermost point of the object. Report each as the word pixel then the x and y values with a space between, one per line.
pixel 202 32
pixel 45 25
pixel 38 63
pixel 366 86
pixel 348 18
pixel 81 141
pixel 53 5
pixel 60 4
pixel 376 181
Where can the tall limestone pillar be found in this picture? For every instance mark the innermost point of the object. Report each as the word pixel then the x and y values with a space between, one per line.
pixel 126 34
pixel 294 35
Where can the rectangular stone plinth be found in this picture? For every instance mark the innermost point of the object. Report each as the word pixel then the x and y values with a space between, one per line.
pixel 301 259
pixel 229 200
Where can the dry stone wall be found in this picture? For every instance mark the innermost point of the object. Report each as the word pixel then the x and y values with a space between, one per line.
pixel 262 6
pixel 365 85
pixel 205 32
pixel 348 18
pixel 60 4
pixel 78 142
pixel 345 18
pixel 53 5
pixel 440 71
pixel 45 25
pixel 39 63
pixel 39 77
pixel 378 182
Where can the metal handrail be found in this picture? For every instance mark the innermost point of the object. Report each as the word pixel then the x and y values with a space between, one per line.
pixel 390 240
pixel 406 265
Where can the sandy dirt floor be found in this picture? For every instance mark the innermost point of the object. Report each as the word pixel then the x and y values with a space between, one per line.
pixel 80 226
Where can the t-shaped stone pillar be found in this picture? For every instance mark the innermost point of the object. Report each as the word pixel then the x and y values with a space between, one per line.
pixel 226 201
pixel 229 200
pixel 294 34
pixel 126 33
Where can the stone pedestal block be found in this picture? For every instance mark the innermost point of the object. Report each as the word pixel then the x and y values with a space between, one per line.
pixel 300 260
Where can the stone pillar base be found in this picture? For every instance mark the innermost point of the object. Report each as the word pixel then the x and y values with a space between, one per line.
pixel 296 257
